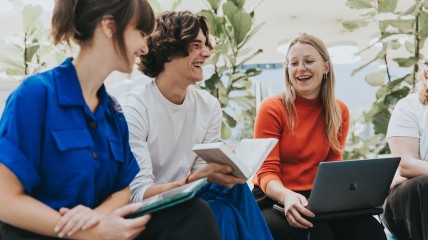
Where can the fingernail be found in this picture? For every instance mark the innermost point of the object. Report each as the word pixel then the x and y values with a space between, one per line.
pixel 60 235
pixel 56 229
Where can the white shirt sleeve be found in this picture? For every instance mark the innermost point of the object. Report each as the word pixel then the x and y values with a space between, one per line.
pixel 212 135
pixel 137 119
pixel 404 119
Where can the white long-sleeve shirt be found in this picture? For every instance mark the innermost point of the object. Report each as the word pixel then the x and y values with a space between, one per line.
pixel 162 134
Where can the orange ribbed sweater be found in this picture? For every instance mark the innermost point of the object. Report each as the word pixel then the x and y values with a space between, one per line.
pixel 294 160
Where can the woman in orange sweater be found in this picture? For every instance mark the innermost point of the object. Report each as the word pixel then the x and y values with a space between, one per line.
pixel 311 126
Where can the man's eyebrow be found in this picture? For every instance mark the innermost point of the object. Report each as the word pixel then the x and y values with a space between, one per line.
pixel 197 40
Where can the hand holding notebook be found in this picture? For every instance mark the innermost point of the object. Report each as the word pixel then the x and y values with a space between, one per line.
pixel 169 198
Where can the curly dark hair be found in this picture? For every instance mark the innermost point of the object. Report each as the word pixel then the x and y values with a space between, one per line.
pixel 173 33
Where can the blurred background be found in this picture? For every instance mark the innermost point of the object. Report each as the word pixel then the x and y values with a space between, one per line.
pixel 374 46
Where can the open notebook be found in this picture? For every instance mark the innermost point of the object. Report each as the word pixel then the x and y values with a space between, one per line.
pixel 169 198
pixel 245 161
pixel 350 188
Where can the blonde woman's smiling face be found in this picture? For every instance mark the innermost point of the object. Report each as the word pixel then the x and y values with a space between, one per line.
pixel 306 68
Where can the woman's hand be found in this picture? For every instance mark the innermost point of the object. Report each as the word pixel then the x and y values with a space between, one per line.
pixel 115 226
pixel 76 219
pixel 218 174
pixel 294 206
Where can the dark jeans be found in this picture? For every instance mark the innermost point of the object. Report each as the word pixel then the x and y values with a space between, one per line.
pixel 192 219
pixel 406 209
pixel 359 228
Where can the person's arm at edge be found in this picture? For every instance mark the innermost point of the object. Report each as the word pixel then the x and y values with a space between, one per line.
pixel 403 137
pixel 21 206
pixel 408 149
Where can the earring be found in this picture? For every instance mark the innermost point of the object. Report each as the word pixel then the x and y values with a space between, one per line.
pixel 324 76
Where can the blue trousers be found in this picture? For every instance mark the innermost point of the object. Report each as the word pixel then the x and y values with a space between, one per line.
pixel 236 212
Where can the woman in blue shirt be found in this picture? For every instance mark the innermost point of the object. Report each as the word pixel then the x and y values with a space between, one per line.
pixel 65 161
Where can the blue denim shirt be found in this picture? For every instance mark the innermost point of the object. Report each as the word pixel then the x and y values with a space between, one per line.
pixel 62 153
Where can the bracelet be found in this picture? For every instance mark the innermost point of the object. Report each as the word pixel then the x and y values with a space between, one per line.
pixel 186 181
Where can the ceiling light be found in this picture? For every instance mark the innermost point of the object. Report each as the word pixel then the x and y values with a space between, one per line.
pixel 5 5
pixel 343 52
pixel 46 4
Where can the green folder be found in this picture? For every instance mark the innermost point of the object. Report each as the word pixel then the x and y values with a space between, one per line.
pixel 169 198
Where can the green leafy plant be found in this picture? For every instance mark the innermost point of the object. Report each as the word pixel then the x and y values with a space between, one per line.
pixel 29 51
pixel 232 27
pixel 404 31
pixel 157 8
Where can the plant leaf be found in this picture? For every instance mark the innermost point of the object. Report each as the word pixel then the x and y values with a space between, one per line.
pixel 244 101
pixel 18 63
pixel 381 120
pixel 352 25
pixel 387 5
pixel 425 3
pixel 410 46
pixel 238 3
pixel 251 34
pixel 375 79
pixel 226 131
pixel 31 15
pixel 214 4
pixel 380 55
pixel 423 27
pixel 229 119
pixel 359 4
pixel 406 62
pixel 241 23
pixel 249 58
pixel 392 98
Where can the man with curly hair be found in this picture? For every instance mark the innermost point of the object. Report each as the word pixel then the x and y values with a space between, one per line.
pixel 168 116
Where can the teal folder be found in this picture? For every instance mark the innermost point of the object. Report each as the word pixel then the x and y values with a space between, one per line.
pixel 169 198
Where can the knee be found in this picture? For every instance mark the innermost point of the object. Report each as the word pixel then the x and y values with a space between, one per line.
pixel 200 205
pixel 420 184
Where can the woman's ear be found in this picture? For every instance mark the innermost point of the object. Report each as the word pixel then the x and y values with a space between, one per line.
pixel 108 25
pixel 327 68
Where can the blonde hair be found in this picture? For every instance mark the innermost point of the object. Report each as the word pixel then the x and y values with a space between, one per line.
pixel 421 84
pixel 333 113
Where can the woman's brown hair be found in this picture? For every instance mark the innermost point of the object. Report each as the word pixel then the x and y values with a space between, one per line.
pixel 77 19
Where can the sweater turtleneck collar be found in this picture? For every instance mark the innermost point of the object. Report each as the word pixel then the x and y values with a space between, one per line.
pixel 308 103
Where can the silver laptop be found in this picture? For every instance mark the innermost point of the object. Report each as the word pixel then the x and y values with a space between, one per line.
pixel 350 188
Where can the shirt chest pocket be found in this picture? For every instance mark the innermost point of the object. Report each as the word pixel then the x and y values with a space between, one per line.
pixel 78 143
pixel 71 160
pixel 74 147
pixel 72 139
